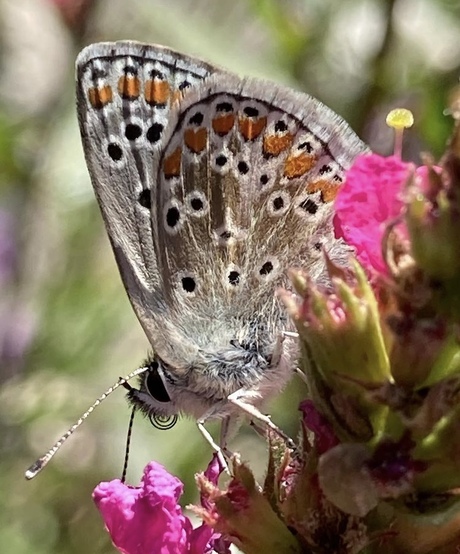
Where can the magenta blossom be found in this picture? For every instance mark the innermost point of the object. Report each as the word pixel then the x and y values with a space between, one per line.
pixel 148 519
pixel 370 197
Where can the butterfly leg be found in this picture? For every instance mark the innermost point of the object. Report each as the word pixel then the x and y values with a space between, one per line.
pixel 209 438
pixel 225 432
pixel 240 398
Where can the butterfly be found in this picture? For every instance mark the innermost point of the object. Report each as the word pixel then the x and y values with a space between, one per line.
pixel 211 187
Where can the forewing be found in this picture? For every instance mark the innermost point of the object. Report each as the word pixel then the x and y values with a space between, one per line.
pixel 125 94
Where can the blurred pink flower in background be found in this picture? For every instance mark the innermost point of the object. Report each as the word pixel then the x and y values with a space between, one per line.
pixel 74 12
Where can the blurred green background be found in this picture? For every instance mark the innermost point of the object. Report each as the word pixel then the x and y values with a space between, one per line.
pixel 67 330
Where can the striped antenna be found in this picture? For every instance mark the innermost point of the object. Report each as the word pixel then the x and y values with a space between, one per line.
pixel 128 445
pixel 37 466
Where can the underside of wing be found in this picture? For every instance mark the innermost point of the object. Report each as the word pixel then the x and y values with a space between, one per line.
pixel 125 94
pixel 246 185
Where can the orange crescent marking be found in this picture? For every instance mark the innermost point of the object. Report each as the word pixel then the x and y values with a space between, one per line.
pixel 196 140
pixel 274 144
pixel 99 97
pixel 328 189
pixel 251 129
pixel 156 92
pixel 171 164
pixel 298 165
pixel 223 124
pixel 129 87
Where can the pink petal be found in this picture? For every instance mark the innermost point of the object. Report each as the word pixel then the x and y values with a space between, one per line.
pixel 214 469
pixel 369 198
pixel 200 539
pixel 212 474
pixel 204 536
pixel 145 519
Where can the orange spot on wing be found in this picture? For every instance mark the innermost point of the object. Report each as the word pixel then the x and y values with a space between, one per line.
pixel 328 189
pixel 100 96
pixel 275 144
pixel 298 165
pixel 129 87
pixel 156 92
pixel 223 124
pixel 251 128
pixel 196 140
pixel 171 164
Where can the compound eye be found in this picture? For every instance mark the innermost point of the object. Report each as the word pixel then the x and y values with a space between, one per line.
pixel 154 383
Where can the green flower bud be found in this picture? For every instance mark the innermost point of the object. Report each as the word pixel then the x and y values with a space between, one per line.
pixel 342 345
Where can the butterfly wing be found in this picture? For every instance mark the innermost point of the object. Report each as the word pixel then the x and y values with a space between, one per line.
pixel 125 94
pixel 245 184
pixel 209 195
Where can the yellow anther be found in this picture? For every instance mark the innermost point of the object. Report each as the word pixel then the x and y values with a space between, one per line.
pixel 400 118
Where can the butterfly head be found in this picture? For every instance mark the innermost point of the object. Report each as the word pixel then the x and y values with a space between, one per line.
pixel 154 397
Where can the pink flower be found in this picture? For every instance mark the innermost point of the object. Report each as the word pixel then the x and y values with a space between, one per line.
pixel 370 197
pixel 148 519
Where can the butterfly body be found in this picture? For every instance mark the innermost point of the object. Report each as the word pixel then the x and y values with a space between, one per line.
pixel 211 187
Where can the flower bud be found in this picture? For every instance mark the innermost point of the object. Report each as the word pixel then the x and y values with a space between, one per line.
pixel 244 513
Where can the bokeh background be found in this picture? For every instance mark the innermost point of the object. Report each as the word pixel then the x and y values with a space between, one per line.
pixel 66 327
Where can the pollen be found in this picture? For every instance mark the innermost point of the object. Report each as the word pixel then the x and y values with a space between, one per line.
pixel 400 118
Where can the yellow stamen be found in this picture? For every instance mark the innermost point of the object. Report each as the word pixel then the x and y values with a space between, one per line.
pixel 399 119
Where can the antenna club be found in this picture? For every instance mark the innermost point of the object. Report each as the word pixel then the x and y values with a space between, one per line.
pixel 35 468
